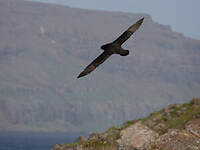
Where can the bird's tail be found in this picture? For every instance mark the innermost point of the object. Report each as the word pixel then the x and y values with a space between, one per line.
pixel 124 52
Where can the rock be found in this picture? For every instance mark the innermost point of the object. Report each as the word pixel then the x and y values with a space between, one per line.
pixel 57 147
pixel 156 132
pixel 80 139
pixel 195 101
pixel 193 126
pixel 169 108
pixel 150 123
pixel 137 136
pixel 159 126
pixel 157 117
pixel 176 139
pixel 93 136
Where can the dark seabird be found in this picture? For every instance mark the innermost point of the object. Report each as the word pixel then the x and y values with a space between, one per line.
pixel 112 48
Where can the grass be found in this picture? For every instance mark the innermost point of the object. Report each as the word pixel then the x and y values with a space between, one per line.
pixel 174 117
pixel 99 141
pixel 127 124
pixel 177 117
pixel 187 115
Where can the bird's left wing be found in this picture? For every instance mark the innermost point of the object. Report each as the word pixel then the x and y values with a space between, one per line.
pixel 94 64
pixel 126 35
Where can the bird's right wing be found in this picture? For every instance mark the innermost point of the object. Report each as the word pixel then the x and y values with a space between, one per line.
pixel 126 35
pixel 94 64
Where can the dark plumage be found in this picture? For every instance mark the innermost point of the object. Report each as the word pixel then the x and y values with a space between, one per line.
pixel 112 48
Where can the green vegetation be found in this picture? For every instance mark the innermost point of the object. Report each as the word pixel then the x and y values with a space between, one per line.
pixel 105 140
pixel 127 124
pixel 96 144
pixel 173 116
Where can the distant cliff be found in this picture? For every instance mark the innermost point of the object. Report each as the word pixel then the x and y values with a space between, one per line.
pixel 176 127
pixel 44 47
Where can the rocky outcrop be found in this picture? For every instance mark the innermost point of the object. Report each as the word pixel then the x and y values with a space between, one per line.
pixel 176 139
pixel 176 127
pixel 137 136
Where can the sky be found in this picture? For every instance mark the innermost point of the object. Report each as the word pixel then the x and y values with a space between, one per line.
pixel 182 15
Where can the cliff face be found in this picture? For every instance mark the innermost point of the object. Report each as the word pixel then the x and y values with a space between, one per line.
pixel 44 47
pixel 175 127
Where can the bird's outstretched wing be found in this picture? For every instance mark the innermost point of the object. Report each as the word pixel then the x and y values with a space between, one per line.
pixel 125 36
pixel 99 60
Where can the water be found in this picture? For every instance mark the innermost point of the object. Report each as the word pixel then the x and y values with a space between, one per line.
pixel 33 141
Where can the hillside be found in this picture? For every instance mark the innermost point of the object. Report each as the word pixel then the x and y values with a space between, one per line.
pixel 44 47
pixel 175 127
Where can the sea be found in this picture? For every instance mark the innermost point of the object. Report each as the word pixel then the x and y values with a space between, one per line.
pixel 33 141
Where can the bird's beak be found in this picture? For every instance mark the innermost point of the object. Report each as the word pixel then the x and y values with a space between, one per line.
pixel 100 49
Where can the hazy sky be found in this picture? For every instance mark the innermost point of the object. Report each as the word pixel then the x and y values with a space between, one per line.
pixel 182 15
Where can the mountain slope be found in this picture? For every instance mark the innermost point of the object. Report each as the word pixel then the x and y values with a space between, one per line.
pixel 175 127
pixel 44 47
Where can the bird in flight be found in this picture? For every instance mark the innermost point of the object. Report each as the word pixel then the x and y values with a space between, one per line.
pixel 112 48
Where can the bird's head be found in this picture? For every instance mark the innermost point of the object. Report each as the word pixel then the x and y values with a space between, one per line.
pixel 100 49
pixel 103 47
